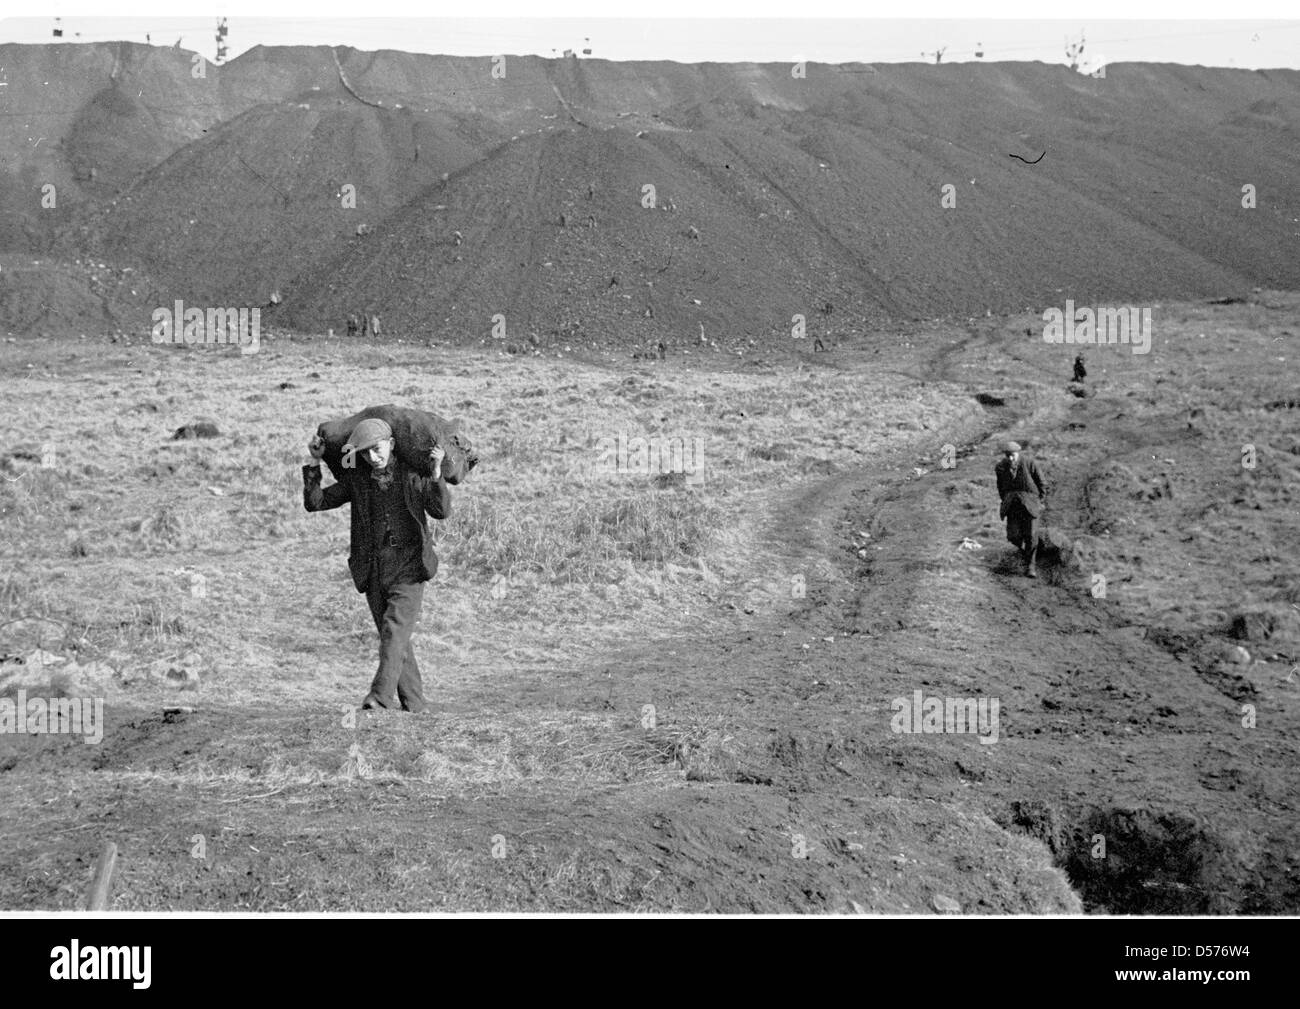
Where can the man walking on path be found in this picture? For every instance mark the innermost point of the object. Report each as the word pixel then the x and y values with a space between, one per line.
pixel 1023 494
pixel 391 554
pixel 1080 372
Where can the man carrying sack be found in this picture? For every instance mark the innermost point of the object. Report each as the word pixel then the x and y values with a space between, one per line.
pixel 391 555
pixel 1023 494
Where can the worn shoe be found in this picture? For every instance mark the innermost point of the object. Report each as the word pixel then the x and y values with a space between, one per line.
pixel 1031 571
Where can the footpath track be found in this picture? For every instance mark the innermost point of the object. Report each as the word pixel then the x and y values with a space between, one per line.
pixel 1111 751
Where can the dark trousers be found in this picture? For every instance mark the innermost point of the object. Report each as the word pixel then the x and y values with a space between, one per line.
pixel 1022 530
pixel 395 598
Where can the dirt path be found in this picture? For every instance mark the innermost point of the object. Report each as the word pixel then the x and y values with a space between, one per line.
pixel 1129 763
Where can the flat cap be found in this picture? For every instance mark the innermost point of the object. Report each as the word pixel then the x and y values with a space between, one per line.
pixel 367 433
pixel 1011 446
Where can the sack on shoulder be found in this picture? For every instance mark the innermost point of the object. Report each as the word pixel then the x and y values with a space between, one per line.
pixel 414 433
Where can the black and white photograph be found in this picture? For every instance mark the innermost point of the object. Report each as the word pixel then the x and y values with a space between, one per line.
pixel 690 461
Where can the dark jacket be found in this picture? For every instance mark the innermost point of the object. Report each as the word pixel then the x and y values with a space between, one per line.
pixel 422 494
pixel 1023 484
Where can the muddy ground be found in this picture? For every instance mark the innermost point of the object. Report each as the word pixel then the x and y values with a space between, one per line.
pixel 731 748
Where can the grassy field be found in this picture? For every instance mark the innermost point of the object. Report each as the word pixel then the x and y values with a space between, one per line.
pixel 595 640
pixel 551 555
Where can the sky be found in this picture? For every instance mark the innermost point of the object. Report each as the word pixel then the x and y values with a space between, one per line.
pixel 707 31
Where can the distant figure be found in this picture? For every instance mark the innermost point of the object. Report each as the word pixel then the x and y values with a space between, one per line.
pixel 457 238
pixel 1020 486
pixel 374 325
pixel 353 325
pixel 365 324
pixel 1080 372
